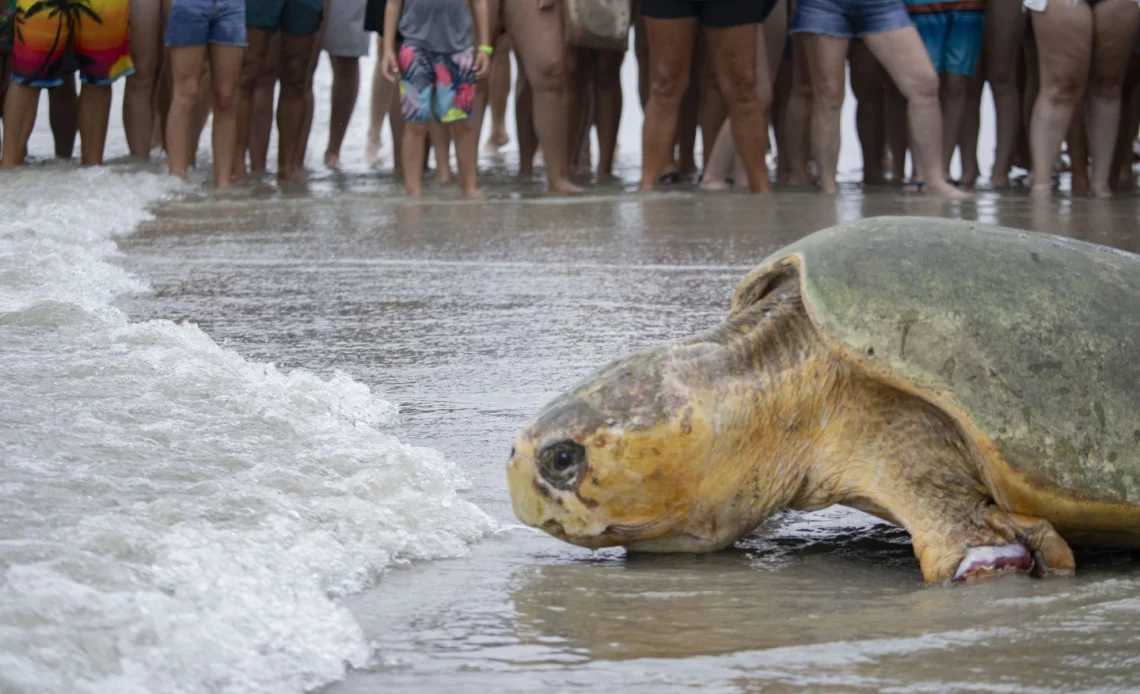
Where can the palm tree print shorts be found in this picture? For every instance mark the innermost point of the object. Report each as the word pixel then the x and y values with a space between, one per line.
pixel 7 10
pixel 436 83
pixel 53 35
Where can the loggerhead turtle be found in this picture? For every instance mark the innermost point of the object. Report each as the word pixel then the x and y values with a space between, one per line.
pixel 978 386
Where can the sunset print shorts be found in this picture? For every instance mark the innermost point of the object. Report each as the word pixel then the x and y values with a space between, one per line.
pixel 436 83
pixel 91 34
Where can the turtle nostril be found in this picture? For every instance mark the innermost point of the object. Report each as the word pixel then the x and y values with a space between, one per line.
pixel 512 456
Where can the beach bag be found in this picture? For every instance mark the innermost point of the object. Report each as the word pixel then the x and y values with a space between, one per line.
pixel 597 23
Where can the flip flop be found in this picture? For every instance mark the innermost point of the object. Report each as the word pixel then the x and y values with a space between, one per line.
pixel 670 178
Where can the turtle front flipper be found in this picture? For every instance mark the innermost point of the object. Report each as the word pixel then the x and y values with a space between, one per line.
pixel 911 464
pixel 1034 547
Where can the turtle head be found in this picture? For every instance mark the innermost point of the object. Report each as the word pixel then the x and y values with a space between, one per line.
pixel 625 458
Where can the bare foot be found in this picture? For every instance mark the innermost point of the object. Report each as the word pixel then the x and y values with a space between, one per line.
pixel 713 185
pixel 581 170
pixel 1041 191
pixel 604 177
pixel 1100 192
pixel 943 189
pixel 999 181
pixel 474 194
pixel 495 141
pixel 372 149
pixel 332 161
pixel 443 176
pixel 564 186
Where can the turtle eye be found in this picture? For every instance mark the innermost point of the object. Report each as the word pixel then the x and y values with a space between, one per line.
pixel 562 464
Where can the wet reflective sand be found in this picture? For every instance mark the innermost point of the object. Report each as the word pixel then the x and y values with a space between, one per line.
pixel 472 315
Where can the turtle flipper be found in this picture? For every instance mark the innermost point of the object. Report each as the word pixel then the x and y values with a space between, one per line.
pixel 992 543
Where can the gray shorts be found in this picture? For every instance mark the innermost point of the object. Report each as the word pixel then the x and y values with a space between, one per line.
pixel 345 36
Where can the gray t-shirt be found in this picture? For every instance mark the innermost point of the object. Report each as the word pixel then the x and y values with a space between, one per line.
pixel 440 26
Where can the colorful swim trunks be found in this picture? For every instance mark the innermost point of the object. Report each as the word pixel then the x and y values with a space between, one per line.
pixel 93 34
pixel 445 82
pixel 7 28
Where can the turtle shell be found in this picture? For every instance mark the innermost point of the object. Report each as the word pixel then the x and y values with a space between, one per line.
pixel 1031 342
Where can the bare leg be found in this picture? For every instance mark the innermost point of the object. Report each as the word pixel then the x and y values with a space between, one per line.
pixel 801 115
pixel 579 66
pixel 524 125
pixel 1004 25
pixel 296 90
pixel 781 96
pixel 500 88
pixel 63 114
pixel 225 68
pixel 466 148
pixel 955 93
pixel 1114 26
pixel 253 63
pixel 670 55
pixel 730 47
pixel 867 81
pixel 138 102
pixel 826 58
pixel 1077 141
pixel 440 138
pixel 536 30
pixel 186 71
pixel 345 87
pixel 903 54
pixel 310 102
pixel 894 121
pixel 20 105
pixel 696 106
pixel 378 106
pixel 201 112
pixel 608 100
pixel 971 126
pixel 703 101
pixel 412 152
pixel 1064 33
pixel 94 114
pixel 1126 133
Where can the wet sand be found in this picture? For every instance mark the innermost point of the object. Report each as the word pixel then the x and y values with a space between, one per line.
pixel 473 315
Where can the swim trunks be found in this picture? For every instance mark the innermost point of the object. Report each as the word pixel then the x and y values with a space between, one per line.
pixel 849 18
pixel 200 22
pixel 711 13
pixel 293 17
pixel 7 33
pixel 436 84
pixel 952 32
pixel 97 39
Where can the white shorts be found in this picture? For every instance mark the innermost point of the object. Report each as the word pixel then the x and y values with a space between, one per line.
pixel 345 36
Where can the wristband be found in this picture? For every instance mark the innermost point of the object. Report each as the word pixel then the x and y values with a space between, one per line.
pixel 489 50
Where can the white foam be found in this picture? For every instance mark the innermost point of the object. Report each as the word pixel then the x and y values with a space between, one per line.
pixel 174 518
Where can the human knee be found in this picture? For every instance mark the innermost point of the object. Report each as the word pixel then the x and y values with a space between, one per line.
pixel 955 86
pixel 1105 90
pixel 828 96
pixel 668 85
pixel 295 76
pixel 923 86
pixel 223 97
pixel 549 75
pixel 1063 88
pixel 185 95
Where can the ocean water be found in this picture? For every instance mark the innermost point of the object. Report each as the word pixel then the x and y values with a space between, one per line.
pixel 173 516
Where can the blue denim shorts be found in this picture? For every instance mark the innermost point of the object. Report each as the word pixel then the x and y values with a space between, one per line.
pixel 293 17
pixel 849 18
pixel 199 22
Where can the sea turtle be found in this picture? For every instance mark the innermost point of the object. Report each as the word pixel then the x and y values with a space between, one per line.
pixel 978 386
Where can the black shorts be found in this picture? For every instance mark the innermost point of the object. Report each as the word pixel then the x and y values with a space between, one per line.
pixel 374 15
pixel 711 13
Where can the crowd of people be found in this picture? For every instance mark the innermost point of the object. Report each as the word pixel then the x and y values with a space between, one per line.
pixel 753 77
